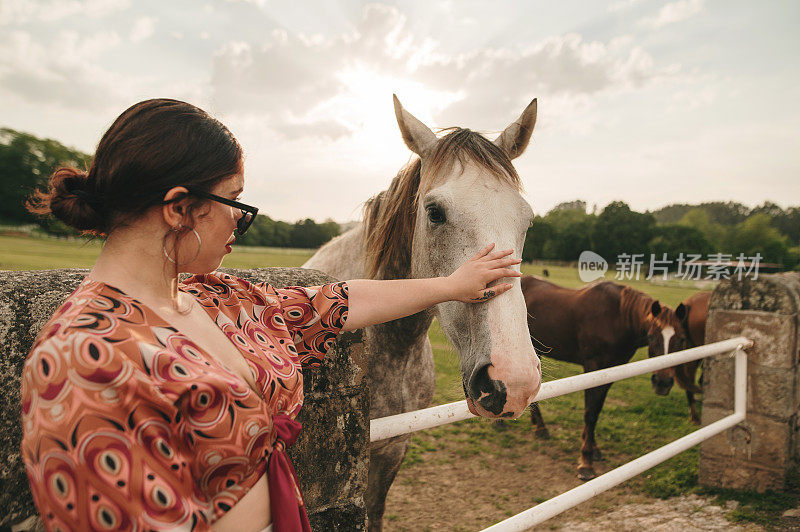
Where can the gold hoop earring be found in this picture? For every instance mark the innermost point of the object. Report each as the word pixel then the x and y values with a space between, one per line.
pixel 176 230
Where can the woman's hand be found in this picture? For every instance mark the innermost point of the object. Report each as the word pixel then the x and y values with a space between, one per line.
pixel 374 301
pixel 469 281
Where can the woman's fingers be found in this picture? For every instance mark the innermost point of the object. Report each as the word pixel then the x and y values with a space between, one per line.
pixel 492 291
pixel 483 251
pixel 498 254
pixel 485 254
pixel 487 266
pixel 499 273
pixel 502 262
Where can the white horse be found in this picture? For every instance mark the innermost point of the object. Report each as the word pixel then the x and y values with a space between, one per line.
pixel 459 195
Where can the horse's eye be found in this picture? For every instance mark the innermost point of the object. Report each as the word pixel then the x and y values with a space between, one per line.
pixel 435 214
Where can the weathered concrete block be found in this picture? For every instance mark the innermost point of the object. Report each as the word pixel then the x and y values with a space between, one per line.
pixel 758 440
pixel 718 381
pixel 733 474
pixel 774 335
pixel 331 455
pixel 770 391
pixel 778 294
pixel 758 453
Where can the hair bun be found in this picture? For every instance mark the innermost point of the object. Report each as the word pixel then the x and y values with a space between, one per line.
pixel 72 201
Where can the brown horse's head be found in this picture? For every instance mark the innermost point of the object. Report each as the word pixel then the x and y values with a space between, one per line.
pixel 665 334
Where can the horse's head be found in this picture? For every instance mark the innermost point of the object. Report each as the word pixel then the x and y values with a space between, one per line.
pixel 469 195
pixel 665 334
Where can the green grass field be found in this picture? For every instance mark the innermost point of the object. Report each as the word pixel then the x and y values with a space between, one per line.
pixel 633 422
pixel 25 253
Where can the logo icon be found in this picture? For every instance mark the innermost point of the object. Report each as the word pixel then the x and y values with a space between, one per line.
pixel 591 266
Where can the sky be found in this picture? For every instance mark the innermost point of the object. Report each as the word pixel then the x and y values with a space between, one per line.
pixel 645 101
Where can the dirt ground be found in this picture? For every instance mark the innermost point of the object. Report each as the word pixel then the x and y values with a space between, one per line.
pixel 448 492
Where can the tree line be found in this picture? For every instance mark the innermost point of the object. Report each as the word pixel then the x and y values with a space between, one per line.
pixel 704 229
pixel 27 161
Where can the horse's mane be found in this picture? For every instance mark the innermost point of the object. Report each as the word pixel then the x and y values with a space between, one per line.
pixel 634 306
pixel 389 216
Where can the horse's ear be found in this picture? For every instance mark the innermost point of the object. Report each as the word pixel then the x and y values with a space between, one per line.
pixel 417 136
pixel 515 138
pixel 655 308
pixel 681 312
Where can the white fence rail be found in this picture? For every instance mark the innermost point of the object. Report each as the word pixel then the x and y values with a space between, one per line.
pixel 399 424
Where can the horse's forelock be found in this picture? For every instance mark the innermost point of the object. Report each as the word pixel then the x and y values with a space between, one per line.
pixel 390 215
pixel 464 146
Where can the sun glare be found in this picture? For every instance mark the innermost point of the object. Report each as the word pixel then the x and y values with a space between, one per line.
pixel 366 106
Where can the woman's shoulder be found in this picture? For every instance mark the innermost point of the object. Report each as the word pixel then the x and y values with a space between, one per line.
pixel 75 315
pixel 103 313
pixel 92 329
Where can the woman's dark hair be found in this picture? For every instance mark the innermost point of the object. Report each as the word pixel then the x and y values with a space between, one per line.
pixel 153 146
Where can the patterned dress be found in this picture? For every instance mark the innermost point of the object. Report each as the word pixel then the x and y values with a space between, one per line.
pixel 129 425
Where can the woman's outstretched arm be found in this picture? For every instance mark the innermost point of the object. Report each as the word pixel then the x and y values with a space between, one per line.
pixel 372 301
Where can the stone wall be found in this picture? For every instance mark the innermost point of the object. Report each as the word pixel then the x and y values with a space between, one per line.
pixel 759 453
pixel 331 455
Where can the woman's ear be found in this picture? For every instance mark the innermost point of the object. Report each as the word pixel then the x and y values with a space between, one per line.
pixel 176 206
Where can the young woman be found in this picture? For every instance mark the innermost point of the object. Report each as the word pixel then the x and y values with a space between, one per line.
pixel 153 404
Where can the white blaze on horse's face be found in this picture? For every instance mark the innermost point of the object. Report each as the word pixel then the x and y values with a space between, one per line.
pixel 459 214
pixel 667 333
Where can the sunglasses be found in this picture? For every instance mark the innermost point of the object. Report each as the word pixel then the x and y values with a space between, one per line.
pixel 248 212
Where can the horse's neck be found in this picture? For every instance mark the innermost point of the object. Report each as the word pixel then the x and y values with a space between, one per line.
pixel 343 258
pixel 635 309
pixel 408 330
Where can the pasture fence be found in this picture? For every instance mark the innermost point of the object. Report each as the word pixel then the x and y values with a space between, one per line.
pixel 399 424
pixel 750 437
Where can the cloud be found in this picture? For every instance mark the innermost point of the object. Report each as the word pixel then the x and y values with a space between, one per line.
pixel 143 28
pixel 65 72
pixel 565 67
pixel 324 129
pixel 701 96
pixel 285 78
pixel 289 78
pixel 622 5
pixel 674 12
pixel 258 3
pixel 21 11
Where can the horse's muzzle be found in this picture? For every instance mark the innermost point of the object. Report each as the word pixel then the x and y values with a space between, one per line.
pixel 661 385
pixel 492 394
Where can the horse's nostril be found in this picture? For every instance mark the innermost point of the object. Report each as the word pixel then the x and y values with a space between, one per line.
pixel 661 384
pixel 489 393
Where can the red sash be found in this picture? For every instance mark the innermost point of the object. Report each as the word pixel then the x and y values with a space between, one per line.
pixel 285 499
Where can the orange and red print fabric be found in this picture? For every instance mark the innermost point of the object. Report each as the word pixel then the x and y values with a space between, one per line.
pixel 127 422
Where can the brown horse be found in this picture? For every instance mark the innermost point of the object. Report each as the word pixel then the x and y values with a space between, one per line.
pixel 694 327
pixel 598 326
